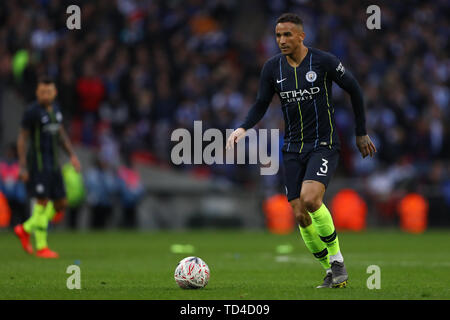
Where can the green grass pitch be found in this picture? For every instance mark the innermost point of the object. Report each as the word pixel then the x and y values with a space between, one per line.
pixel 244 265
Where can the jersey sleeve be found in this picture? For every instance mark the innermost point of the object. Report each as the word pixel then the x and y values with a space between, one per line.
pixel 347 81
pixel 27 120
pixel 264 97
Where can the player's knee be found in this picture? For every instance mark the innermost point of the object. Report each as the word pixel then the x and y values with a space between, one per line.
pixel 301 216
pixel 311 202
pixel 60 205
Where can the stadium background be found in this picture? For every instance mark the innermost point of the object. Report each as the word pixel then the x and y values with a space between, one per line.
pixel 137 70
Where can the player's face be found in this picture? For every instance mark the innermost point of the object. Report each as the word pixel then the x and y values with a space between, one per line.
pixel 289 37
pixel 46 93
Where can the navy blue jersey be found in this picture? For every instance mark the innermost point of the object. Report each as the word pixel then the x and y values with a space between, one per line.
pixel 43 127
pixel 306 99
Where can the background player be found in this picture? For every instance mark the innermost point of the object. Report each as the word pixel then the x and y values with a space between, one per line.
pixel 42 125
pixel 302 77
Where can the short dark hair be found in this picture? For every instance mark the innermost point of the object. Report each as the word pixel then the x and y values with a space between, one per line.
pixel 45 80
pixel 290 17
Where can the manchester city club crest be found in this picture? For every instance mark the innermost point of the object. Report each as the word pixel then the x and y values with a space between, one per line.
pixel 311 76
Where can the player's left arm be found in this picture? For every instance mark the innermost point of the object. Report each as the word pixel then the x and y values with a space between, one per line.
pixel 347 81
pixel 67 145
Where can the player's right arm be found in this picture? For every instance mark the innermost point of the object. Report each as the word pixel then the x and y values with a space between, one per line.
pixel 265 93
pixel 21 152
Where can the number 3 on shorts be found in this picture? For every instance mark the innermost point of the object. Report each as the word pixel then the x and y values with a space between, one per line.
pixel 323 168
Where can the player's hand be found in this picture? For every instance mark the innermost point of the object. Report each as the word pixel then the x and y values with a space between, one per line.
pixel 76 163
pixel 237 135
pixel 24 175
pixel 365 146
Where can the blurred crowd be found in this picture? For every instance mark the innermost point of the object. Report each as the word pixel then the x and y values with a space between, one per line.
pixel 138 69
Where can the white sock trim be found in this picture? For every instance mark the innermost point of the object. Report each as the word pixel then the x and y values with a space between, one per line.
pixel 336 257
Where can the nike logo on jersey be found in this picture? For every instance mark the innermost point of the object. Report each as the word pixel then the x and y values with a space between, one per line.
pixel 280 81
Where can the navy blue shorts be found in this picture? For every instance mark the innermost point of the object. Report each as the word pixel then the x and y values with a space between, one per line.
pixel 318 165
pixel 46 185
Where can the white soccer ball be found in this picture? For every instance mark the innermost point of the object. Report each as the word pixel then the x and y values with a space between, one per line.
pixel 192 273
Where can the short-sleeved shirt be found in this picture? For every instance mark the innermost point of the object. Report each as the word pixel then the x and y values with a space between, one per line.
pixel 44 127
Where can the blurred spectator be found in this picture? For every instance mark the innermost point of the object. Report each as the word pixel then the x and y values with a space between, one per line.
pixel 90 88
pixel 91 92
pixel 131 192
pixel 101 187
pixel 13 188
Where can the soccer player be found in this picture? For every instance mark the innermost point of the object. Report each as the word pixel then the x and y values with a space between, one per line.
pixel 39 168
pixel 302 77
